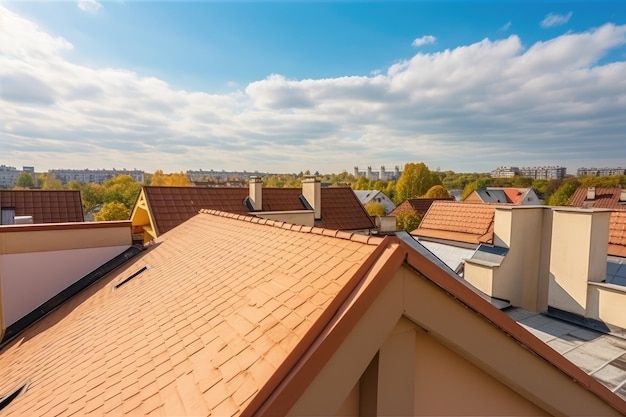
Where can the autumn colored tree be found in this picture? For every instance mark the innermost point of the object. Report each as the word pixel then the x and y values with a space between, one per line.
pixel 50 182
pixel 374 209
pixel 176 179
pixel 437 191
pixel 25 180
pixel 562 196
pixel 415 181
pixel 407 220
pixel 122 189
pixel 112 211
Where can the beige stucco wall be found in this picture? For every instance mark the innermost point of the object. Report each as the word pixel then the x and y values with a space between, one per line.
pixel 39 261
pixel 579 250
pixel 300 217
pixel 607 303
pixel 418 351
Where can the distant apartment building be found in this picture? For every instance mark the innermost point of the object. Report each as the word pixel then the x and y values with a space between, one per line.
pixel 201 175
pixel 382 175
pixel 600 172
pixel 99 176
pixel 8 175
pixel 536 173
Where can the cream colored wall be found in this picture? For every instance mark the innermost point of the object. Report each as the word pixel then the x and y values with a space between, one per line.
pixel 480 276
pixel 30 279
pixel 300 217
pixel 607 302
pixel 28 239
pixel 429 355
pixel 579 248
pixel 448 384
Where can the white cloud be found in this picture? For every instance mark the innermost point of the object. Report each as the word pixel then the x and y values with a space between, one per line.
pixel 424 40
pixel 506 26
pixel 89 6
pixel 554 19
pixel 470 108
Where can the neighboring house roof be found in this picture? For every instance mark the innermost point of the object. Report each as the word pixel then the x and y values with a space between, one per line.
pixel 617 234
pixel 418 205
pixel 367 196
pixel 244 316
pixel 171 206
pixel 503 195
pixel 608 198
pixel 46 206
pixel 460 222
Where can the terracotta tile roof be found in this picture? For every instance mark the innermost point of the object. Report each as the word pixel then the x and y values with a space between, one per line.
pixel 617 234
pixel 46 206
pixel 419 205
pixel 605 198
pixel 455 221
pixel 224 304
pixel 515 195
pixel 171 206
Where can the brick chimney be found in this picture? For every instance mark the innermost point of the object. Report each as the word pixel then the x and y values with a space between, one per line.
pixel 312 192
pixel 256 192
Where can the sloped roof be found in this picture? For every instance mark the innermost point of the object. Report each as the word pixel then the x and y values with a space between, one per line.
pixel 229 309
pixel 461 222
pixel 46 206
pixel 514 195
pixel 605 198
pixel 223 305
pixel 617 234
pixel 171 206
pixel 418 205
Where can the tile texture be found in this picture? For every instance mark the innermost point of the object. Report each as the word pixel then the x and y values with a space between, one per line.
pixel 46 206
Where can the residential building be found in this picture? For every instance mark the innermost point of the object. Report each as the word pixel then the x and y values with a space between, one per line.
pixel 222 176
pixel 382 175
pixel 8 176
pixel 600 172
pixel 504 195
pixel 536 173
pixel 160 209
pixel 99 176
pixel 40 206
pixel 241 316
pixel 599 197
pixel 375 196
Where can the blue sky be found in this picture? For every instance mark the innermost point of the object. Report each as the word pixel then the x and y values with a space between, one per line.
pixel 289 86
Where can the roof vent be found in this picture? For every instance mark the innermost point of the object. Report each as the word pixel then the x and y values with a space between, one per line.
pixel 125 280
pixel 591 193
pixel 8 399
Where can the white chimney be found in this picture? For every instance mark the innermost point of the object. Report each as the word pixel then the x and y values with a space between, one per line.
pixel 591 193
pixel 622 195
pixel 312 192
pixel 256 193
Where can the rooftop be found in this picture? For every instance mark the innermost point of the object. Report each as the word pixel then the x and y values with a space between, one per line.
pixel 45 206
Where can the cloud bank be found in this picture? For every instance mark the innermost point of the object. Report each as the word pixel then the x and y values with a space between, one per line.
pixel 470 108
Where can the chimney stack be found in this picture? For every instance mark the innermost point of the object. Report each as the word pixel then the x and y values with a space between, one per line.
pixel 312 192
pixel 256 193
pixel 591 193
pixel 622 195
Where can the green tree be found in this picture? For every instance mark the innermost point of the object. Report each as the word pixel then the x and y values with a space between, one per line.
pixel 407 220
pixel 50 182
pixel 362 183
pixel 437 191
pixel 112 211
pixel 25 180
pixel 562 196
pixel 92 196
pixel 540 187
pixel 415 181
pixel 123 189
pixel 374 209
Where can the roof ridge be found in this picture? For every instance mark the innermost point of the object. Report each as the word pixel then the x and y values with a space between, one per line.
pixel 339 234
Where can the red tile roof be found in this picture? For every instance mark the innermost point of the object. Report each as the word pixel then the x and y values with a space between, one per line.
pixel 230 308
pixel 617 234
pixel 171 206
pixel 46 206
pixel 456 221
pixel 418 205
pixel 604 198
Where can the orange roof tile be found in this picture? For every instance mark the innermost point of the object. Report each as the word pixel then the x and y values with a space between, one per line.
pixel 46 206
pixel 171 206
pixel 199 332
pixel 617 234
pixel 468 223
pixel 605 198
